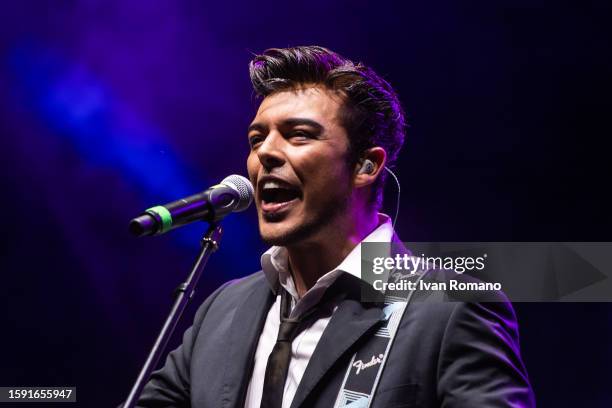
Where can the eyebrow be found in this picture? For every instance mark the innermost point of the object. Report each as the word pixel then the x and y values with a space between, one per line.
pixel 291 122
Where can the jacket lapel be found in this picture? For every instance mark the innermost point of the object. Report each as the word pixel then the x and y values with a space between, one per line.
pixel 247 324
pixel 348 324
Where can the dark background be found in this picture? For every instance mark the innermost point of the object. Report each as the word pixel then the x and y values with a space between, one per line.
pixel 109 107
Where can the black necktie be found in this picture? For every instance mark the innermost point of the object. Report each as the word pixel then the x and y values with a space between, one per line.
pixel 278 361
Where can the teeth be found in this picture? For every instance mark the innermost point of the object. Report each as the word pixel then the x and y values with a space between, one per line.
pixel 271 184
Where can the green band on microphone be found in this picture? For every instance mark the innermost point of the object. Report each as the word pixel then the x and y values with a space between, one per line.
pixel 164 215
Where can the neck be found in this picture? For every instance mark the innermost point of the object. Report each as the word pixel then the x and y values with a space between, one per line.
pixel 311 259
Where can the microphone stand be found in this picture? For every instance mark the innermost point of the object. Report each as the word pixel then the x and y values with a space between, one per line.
pixel 183 294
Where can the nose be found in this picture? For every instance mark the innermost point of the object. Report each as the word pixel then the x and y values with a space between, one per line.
pixel 270 152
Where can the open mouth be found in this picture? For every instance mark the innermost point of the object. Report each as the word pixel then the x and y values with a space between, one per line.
pixel 276 195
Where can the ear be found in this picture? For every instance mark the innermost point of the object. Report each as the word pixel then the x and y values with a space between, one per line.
pixel 378 157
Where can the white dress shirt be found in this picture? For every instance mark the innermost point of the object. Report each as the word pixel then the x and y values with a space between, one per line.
pixel 274 263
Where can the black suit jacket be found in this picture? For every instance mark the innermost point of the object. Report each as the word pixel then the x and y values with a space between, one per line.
pixel 446 354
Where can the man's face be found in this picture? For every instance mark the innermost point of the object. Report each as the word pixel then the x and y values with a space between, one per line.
pixel 298 164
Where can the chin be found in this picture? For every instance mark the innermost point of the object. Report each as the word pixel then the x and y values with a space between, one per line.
pixel 285 233
pixel 277 234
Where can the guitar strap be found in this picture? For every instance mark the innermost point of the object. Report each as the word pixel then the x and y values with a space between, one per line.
pixel 359 384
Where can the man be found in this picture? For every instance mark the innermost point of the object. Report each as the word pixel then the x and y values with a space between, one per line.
pixel 285 336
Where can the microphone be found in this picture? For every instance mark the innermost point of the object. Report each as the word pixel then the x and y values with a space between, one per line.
pixel 233 194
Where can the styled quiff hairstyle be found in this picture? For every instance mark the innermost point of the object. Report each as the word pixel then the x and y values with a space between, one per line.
pixel 372 114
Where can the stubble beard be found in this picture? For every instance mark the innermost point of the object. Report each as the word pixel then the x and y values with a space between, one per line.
pixel 313 225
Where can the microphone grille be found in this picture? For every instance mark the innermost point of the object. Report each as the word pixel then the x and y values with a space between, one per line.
pixel 244 188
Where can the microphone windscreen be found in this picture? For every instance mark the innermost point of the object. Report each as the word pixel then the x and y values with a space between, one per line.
pixel 244 188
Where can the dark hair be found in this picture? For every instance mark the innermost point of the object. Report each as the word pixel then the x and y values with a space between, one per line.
pixel 372 114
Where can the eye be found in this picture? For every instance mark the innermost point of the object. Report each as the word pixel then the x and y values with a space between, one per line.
pixel 301 135
pixel 255 140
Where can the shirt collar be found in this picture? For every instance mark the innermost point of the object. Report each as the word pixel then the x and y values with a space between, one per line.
pixel 275 260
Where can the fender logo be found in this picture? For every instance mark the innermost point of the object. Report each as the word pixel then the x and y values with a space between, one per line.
pixel 360 365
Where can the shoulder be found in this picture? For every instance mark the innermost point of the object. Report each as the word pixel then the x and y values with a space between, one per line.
pixel 443 306
pixel 228 296
pixel 244 284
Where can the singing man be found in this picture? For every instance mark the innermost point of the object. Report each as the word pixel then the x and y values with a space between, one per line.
pixel 298 333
